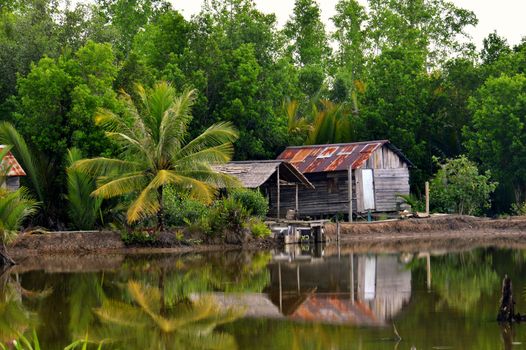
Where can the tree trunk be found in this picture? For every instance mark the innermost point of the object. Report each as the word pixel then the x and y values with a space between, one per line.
pixel 5 260
pixel 160 213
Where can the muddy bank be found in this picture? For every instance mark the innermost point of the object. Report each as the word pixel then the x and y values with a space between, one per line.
pixel 431 226
pixel 108 242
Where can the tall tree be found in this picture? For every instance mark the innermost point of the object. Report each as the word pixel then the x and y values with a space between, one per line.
pixel 497 136
pixel 432 29
pixel 351 35
pixel 309 45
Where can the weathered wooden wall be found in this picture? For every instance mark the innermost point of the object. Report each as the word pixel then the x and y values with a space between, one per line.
pixel 12 183
pixel 330 197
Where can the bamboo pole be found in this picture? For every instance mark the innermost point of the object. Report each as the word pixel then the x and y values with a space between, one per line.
pixel 279 193
pixel 427 198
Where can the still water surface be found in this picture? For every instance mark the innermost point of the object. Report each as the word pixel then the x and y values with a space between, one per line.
pixel 318 298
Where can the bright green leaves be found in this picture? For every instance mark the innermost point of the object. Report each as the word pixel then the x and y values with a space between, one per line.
pixel 58 98
pixel 458 187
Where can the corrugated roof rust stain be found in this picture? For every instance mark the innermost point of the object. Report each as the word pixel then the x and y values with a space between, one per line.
pixel 369 148
pixel 314 166
pixel 337 157
pixel 346 149
pixel 287 154
pixel 336 163
pixel 328 152
pixel 360 160
pixel 300 155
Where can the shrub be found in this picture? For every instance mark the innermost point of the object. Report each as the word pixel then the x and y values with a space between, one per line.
pixel 253 201
pixel 259 229
pixel 203 225
pixel 229 214
pixel 518 209
pixel 181 210
pixel 412 201
pixel 137 237
pixel 457 187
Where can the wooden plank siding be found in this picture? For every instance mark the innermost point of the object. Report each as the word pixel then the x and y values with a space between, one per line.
pixel 330 196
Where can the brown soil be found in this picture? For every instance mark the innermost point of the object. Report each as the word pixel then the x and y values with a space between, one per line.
pixel 447 233
pixel 108 242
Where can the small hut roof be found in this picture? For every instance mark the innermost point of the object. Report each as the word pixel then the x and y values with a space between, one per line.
pixel 11 165
pixel 335 157
pixel 253 174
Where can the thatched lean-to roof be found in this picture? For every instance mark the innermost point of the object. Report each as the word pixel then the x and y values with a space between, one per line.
pixel 253 174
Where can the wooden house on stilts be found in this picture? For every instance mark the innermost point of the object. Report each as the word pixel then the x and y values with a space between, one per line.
pixel 379 173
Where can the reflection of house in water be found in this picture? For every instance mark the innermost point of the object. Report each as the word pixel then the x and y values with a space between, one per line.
pixel 321 290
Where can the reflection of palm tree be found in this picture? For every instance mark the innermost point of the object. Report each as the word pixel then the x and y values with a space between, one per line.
pixel 146 323
pixel 14 318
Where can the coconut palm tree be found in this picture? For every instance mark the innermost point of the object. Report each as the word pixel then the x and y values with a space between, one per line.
pixel 155 152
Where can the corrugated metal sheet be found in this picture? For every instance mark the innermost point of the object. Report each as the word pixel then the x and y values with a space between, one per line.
pixel 337 157
pixel 11 165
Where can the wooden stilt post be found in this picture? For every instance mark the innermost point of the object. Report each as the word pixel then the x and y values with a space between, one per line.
pixel 349 180
pixel 297 203
pixel 279 193
pixel 427 198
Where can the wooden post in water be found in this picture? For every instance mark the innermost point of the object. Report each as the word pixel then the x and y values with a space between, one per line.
pixel 279 192
pixel 427 198
pixel 507 307
pixel 349 180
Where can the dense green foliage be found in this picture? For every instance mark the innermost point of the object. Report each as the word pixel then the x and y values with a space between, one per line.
pixel 458 187
pixel 404 71
pixel 252 200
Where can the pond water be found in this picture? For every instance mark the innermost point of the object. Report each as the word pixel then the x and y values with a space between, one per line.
pixel 315 298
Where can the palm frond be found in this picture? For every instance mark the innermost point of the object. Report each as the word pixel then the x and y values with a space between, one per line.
pixel 216 135
pixel 121 185
pixel 102 166
pixel 83 209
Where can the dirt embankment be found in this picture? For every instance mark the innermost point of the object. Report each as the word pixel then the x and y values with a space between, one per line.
pixel 447 231
pixel 108 242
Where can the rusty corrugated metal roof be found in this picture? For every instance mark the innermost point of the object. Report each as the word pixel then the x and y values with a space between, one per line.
pixel 10 165
pixel 335 157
